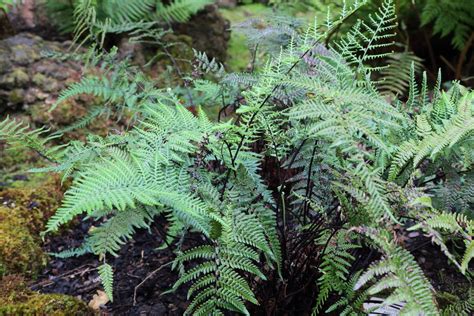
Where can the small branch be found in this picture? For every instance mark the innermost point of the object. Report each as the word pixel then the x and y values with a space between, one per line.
pixel 462 57
pixel 145 279
pixel 450 66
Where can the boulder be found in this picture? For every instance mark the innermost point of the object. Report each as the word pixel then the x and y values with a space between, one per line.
pixel 27 77
pixel 209 31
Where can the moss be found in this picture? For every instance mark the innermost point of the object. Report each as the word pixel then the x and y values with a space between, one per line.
pixel 17 299
pixel 181 50
pixel 16 78
pixel 239 53
pixel 12 157
pixel 33 203
pixel 20 252
pixel 16 96
pixel 45 83
pixel 23 214
pixel 24 54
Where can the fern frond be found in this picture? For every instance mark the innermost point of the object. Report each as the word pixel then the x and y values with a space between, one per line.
pixel 396 77
pixel 107 277
pixel 179 10
pixel 399 271
pixel 19 134
pixel 365 39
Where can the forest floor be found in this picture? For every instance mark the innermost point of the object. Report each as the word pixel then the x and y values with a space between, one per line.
pixel 142 274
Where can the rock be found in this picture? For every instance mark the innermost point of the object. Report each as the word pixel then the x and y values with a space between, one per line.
pixel 209 32
pixel 17 78
pixel 16 97
pixel 228 4
pixel 17 299
pixel 26 77
pixel 32 16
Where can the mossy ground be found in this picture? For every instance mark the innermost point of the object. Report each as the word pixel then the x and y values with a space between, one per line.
pixel 17 299
pixel 20 252
pixel 238 51
pixel 23 214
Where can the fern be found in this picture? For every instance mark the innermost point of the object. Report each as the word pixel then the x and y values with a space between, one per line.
pixel 462 306
pixel 179 10
pixel 106 276
pixel 314 150
pixel 398 271
pixel 397 76
pixel 119 12
pixel 334 268
pixel 456 224
pixel 450 17
pixel 361 43
pixel 17 134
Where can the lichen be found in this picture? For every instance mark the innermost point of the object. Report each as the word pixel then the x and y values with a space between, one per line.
pixel 17 299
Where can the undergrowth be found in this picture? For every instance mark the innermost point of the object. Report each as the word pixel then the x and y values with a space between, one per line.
pixel 350 170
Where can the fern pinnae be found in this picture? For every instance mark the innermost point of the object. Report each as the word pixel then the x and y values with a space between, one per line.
pixel 106 276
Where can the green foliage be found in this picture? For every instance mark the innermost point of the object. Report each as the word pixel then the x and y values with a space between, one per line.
pixel 335 266
pixel 396 77
pixel 399 271
pixel 450 17
pixel 437 225
pixel 348 167
pixel 117 16
pixel 5 5
pixel 365 40
pixel 443 128
pixel 17 134
pixel 460 306
pixel 106 276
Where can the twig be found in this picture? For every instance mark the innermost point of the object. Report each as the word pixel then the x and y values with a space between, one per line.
pixel 462 57
pixel 145 279
pixel 450 66
pixel 69 273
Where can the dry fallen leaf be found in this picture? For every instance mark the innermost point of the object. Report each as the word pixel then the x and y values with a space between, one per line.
pixel 98 299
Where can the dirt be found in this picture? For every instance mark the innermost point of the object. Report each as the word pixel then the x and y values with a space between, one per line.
pixel 136 261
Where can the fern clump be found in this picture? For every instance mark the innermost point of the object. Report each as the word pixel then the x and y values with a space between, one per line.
pixel 115 13
pixel 349 170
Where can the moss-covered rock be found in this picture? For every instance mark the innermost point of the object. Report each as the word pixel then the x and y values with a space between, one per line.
pixel 33 203
pixel 181 51
pixel 17 299
pixel 23 214
pixel 16 96
pixel 26 76
pixel 20 252
pixel 18 77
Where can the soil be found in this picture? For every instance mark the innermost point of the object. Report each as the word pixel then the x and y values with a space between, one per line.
pixel 137 260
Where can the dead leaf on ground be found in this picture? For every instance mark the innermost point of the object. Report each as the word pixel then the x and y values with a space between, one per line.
pixel 98 299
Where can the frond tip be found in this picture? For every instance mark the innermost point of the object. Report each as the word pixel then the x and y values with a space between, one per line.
pixel 106 275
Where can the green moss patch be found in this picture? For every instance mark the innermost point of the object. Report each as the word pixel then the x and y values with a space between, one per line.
pixel 17 299
pixel 20 252
pixel 239 53
pixel 23 215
